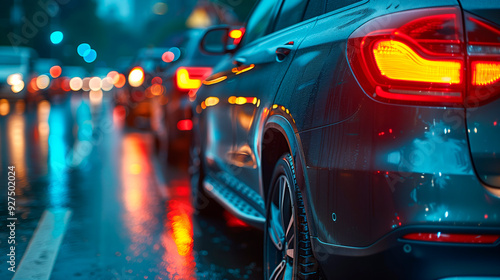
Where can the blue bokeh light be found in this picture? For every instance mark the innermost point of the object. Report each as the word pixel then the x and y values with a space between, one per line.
pixel 176 51
pixel 90 57
pixel 83 49
pixel 56 37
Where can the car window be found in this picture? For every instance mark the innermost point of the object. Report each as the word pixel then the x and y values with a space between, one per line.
pixel 292 12
pixel 314 9
pixel 333 5
pixel 260 20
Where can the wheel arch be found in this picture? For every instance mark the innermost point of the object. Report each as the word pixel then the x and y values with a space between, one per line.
pixel 281 136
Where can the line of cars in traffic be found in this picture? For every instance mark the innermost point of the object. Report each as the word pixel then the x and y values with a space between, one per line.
pixel 25 76
pixel 361 136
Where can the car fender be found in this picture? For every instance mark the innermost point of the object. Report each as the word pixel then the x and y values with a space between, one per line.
pixel 284 123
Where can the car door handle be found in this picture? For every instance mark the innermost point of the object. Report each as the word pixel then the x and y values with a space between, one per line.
pixel 240 61
pixel 283 52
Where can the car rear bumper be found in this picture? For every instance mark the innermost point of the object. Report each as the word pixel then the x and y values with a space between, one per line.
pixel 393 257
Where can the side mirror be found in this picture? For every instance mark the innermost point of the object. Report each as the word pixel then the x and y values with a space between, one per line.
pixel 220 40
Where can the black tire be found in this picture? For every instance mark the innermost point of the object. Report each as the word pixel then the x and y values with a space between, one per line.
pixel 287 245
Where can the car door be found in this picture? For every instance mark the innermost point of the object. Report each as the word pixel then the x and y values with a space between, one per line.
pixel 218 125
pixel 261 65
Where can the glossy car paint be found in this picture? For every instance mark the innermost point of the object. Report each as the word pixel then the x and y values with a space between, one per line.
pixel 369 171
pixel 483 122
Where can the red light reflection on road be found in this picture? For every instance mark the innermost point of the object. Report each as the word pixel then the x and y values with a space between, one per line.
pixel 136 172
pixel 178 237
pixel 182 228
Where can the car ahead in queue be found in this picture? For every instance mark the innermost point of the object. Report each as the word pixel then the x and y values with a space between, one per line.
pixel 141 90
pixel 186 69
pixel 361 136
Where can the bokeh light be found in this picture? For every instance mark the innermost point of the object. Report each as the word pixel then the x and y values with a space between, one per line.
pixel 55 71
pixel 176 51
pixel 56 37
pixel 136 77
pixel 4 107
pixel 18 87
pixel 20 106
pixel 160 8
pixel 156 80
pixel 95 84
pixel 65 84
pixel 91 56
pixel 83 49
pixel 14 78
pixel 107 84
pixel 114 76
pixel 157 89
pixel 32 87
pixel 95 96
pixel 76 84
pixel 43 82
pixel 85 84
pixel 121 81
pixel 16 82
pixel 168 57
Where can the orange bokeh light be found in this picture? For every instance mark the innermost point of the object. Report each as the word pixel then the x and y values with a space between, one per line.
pixel 121 81
pixel 55 71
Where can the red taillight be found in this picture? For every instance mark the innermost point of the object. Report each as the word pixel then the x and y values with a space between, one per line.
pixel 453 238
pixel 415 56
pixel 184 125
pixel 189 78
pixel 423 57
pixel 483 49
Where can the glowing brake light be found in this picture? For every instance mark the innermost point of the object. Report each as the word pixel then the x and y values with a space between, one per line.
pixel 398 61
pixel 190 78
pixel 483 49
pixel 485 73
pixel 427 57
pixel 453 238
pixel 415 57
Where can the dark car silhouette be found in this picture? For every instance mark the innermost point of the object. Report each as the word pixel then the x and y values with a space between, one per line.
pixel 361 136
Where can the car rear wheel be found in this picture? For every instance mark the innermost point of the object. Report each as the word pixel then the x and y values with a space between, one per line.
pixel 287 247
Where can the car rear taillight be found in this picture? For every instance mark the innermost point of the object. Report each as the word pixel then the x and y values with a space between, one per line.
pixel 185 125
pixel 423 57
pixel 190 78
pixel 453 238
pixel 415 56
pixel 483 49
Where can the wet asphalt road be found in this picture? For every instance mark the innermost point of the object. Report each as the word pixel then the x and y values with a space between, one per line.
pixel 123 220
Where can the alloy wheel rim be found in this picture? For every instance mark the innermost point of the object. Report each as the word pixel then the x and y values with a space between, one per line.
pixel 281 231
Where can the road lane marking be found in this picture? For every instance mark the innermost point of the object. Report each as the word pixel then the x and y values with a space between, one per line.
pixel 160 181
pixel 40 256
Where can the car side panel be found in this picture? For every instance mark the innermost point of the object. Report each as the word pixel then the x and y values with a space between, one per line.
pixel 365 176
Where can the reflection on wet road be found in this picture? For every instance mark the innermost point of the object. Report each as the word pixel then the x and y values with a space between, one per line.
pixel 75 156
